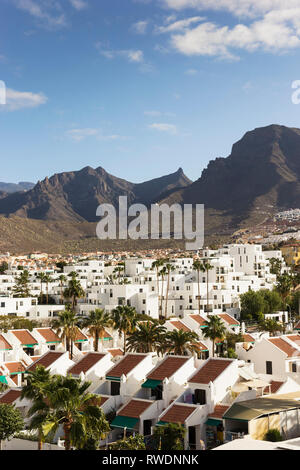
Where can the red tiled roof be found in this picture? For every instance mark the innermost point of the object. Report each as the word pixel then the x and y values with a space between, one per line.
pixel 248 338
pixel 80 336
pixel 86 363
pixel 275 386
pixel 48 334
pixel 14 367
pixel 295 338
pixel 229 319
pixel 178 413
pixel 10 396
pixel 297 326
pixel 126 365
pixel 135 408
pixel 179 325
pixel 167 367
pixel 201 346
pixel 210 371
pixel 115 352
pixel 219 411
pixel 103 400
pixel 200 320
pixel 285 347
pixel 4 345
pixel 47 360
pixel 24 337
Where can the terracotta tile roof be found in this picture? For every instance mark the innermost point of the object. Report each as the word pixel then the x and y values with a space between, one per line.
pixel 14 367
pixel 103 400
pixel 297 326
pixel 48 334
pixel 115 352
pixel 15 379
pixel 178 413
pixel 126 365
pixel 210 371
pixel 80 336
pixel 201 346
pixel 179 325
pixel 24 336
pixel 47 360
pixel 295 338
pixel 4 344
pixel 167 367
pixel 248 338
pixel 86 363
pixel 200 320
pixel 219 411
pixel 229 319
pixel 10 396
pixel 285 347
pixel 275 386
pixel 135 408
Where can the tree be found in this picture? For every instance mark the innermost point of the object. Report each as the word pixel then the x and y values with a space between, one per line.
pixel 169 437
pixel 148 337
pixel 272 300
pixel 66 326
pixel 273 435
pixel 130 443
pixel 11 422
pixel 60 265
pixel 214 329
pixel 252 306
pixel 36 390
pixel 118 270
pixel 3 267
pixel 97 321
pixel 284 286
pixel 181 342
pixel 41 277
pixel 156 265
pixel 47 280
pixel 270 325
pixel 124 319
pixel 169 268
pixel 198 266
pixel 62 279
pixel 232 338
pixel 206 267
pixel 21 288
pixel 74 291
pixel 78 411
pixel 275 266
pixel 162 273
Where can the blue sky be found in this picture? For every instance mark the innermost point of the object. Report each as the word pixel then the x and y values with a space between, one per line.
pixel 141 87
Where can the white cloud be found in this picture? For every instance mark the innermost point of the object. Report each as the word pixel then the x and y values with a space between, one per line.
pixel 140 27
pixel 180 25
pixel 79 4
pixel 249 8
pixel 191 72
pixel 164 127
pixel 158 113
pixel 77 135
pixel 47 11
pixel 16 100
pixel 131 55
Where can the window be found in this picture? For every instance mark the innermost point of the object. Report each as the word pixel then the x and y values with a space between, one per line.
pixel 269 367
pixel 200 396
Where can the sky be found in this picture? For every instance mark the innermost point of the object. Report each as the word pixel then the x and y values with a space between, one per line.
pixel 141 87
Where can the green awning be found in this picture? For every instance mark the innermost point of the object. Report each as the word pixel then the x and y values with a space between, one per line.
pixel 150 383
pixel 124 422
pixel 3 380
pixel 213 422
pixel 115 379
pixel 161 423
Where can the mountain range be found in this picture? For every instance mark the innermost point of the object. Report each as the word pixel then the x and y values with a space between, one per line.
pixel 258 178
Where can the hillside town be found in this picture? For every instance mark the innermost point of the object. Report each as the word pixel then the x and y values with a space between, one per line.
pixel 202 346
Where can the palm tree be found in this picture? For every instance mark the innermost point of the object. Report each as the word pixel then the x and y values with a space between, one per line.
pixel 62 278
pixel 270 325
pixel 284 286
pixel 181 342
pixel 214 328
pixel 77 410
pixel 41 277
pixel 147 337
pixel 74 291
pixel 169 268
pixel 47 280
pixel 118 270
pixel 124 319
pixel 198 266
pixel 206 268
pixel 162 273
pixel 97 321
pixel 66 326
pixel 156 265
pixel 36 389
